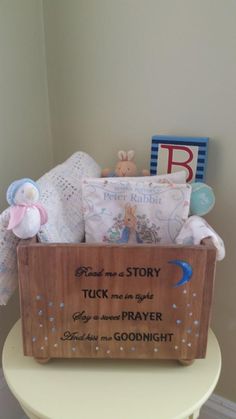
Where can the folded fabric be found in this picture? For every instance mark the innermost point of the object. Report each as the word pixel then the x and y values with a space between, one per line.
pixel 8 262
pixel 195 229
pixel 61 196
pixel 125 210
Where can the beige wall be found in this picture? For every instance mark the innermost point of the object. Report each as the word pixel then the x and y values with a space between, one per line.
pixel 25 143
pixel 120 71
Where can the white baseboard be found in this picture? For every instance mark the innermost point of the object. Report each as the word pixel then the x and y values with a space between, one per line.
pixel 216 407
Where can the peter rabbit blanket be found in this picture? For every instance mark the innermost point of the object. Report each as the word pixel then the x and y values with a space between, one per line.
pixel 143 210
pixel 133 210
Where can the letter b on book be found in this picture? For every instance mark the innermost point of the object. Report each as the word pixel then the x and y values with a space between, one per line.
pixel 171 154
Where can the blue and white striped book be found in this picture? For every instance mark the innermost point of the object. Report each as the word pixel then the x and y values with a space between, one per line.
pixel 171 154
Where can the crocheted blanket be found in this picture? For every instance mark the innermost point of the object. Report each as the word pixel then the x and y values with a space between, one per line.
pixel 61 195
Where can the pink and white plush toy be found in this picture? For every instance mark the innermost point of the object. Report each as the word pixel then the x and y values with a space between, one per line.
pixel 26 213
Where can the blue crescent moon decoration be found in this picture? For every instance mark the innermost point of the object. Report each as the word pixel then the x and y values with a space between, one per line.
pixel 187 271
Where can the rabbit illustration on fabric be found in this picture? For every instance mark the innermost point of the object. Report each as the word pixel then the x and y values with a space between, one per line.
pixel 129 233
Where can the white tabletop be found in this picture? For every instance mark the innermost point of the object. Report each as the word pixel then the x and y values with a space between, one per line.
pixel 108 389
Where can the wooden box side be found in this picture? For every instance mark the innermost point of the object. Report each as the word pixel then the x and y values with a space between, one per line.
pixel 96 301
pixel 25 291
pixel 207 298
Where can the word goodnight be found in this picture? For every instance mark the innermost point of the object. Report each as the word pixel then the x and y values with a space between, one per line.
pixel 143 337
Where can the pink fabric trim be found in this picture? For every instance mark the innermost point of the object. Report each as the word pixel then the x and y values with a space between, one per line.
pixel 43 212
pixel 17 213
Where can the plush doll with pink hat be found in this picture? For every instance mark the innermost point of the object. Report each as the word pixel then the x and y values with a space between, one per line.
pixel 26 213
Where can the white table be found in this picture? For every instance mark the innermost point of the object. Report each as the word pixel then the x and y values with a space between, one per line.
pixel 108 389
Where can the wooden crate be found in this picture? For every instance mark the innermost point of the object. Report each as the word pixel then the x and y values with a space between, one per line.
pixel 115 301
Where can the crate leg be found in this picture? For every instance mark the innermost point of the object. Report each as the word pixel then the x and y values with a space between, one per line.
pixel 42 360
pixel 186 361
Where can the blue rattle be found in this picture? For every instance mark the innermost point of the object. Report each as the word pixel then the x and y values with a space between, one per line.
pixel 202 199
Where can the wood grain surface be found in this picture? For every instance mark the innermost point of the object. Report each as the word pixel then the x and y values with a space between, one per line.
pixel 115 301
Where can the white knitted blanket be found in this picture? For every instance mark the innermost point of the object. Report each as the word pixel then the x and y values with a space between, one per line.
pixel 61 196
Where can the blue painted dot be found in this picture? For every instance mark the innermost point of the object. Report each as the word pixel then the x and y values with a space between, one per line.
pixel 174 306
pixel 50 304
pixel 189 330
pixel 62 305
pixel 178 321
pixel 38 297
pixel 53 329
pixel 51 319
pixel 34 339
pixel 40 312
